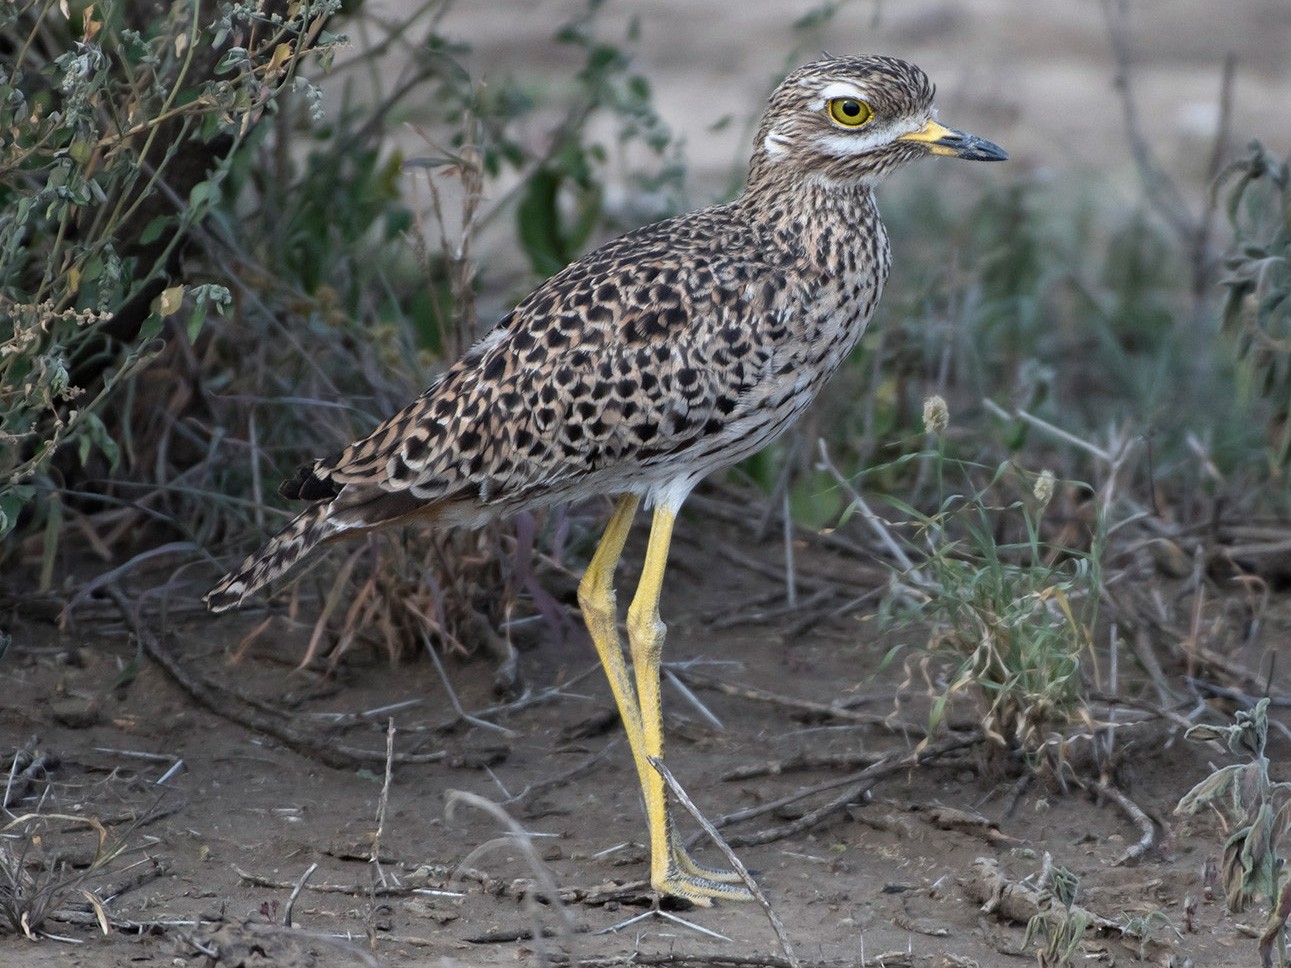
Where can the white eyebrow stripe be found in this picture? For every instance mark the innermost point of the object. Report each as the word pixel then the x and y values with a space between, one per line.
pixel 842 89
pixel 775 145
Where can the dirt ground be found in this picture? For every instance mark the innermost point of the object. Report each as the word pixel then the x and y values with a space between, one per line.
pixel 221 822
pixel 896 876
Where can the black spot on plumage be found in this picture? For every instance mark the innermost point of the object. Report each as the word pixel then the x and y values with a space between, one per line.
pixel 495 367
pixel 400 472
pixel 305 486
pixel 678 423
pixel 415 449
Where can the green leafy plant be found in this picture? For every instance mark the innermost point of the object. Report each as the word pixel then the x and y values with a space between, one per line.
pixel 1061 937
pixel 563 201
pixel 1257 309
pixel 1009 619
pixel 1256 812
pixel 121 129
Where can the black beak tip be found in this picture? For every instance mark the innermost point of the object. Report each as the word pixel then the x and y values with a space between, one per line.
pixel 979 149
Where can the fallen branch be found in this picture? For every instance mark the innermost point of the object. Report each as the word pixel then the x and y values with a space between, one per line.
pixel 832 710
pixel 1141 820
pixel 856 784
pixel 1018 902
pixel 228 705
pixel 777 926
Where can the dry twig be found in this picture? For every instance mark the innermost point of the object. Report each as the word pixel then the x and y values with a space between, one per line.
pixel 855 783
pixel 1141 820
pixel 832 710
pixel 782 937
pixel 228 705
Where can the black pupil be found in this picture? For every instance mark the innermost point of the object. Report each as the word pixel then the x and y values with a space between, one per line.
pixel 851 108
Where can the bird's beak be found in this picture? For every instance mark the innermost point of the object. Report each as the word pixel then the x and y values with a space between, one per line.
pixel 947 141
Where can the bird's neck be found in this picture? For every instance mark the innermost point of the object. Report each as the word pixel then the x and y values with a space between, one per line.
pixel 814 219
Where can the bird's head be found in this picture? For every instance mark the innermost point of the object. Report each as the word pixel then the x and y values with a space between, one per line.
pixel 854 119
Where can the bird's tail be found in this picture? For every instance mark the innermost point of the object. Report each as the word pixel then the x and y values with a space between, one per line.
pixel 279 553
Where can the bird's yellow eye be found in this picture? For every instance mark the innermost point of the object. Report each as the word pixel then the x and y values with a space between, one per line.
pixel 849 112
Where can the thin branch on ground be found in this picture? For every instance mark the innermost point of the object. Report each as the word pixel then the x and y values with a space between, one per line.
pixel 560 779
pixel 789 702
pixel 862 779
pixel 295 893
pixel 227 705
pixel 777 926
pixel 383 803
pixel 711 960
pixel 802 761
pixel 456 703
pixel 522 838
pixel 1147 829
pixel 351 890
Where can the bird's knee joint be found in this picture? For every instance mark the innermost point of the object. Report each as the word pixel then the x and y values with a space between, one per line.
pixel 594 595
pixel 648 630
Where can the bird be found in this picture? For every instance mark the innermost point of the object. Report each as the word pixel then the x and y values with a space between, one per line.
pixel 672 351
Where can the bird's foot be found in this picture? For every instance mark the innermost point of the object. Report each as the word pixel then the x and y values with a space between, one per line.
pixel 683 863
pixel 702 891
pixel 698 884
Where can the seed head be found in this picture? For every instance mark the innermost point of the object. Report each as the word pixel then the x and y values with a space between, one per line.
pixel 936 415
pixel 1043 489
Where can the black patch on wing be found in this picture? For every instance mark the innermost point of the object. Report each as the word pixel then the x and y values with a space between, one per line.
pixel 305 485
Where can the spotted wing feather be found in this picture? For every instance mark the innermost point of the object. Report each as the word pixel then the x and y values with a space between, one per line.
pixel 278 555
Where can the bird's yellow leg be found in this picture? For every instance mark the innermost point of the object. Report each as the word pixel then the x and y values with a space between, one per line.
pixel 671 869
pixel 596 598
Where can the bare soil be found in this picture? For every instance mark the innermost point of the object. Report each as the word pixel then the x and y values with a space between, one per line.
pixel 896 876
